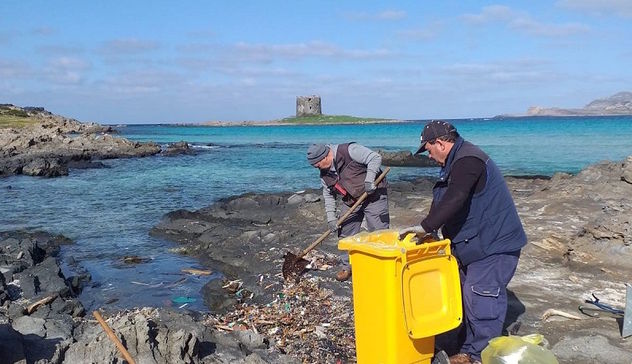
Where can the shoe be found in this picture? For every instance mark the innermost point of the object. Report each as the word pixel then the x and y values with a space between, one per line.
pixel 462 358
pixel 343 275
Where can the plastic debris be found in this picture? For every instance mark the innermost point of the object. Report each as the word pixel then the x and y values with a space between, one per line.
pixel 305 321
pixel 182 299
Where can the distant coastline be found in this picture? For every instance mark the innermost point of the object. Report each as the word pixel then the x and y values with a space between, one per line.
pixel 314 120
pixel 619 104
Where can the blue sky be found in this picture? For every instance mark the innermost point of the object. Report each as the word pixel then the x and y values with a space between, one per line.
pixel 193 61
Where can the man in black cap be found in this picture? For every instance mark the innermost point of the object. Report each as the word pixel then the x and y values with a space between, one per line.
pixel 348 170
pixel 475 210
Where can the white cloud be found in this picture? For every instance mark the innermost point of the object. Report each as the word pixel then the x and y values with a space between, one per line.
pixel 428 32
pixel 56 49
pixel 246 52
pixel 520 71
pixel 128 46
pixel 44 31
pixel 142 82
pixel 523 22
pixel 14 69
pixel 66 70
pixel 385 15
pixel 600 7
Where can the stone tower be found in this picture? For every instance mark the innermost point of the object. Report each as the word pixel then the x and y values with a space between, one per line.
pixel 308 106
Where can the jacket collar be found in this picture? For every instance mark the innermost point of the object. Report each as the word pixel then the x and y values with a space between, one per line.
pixel 445 170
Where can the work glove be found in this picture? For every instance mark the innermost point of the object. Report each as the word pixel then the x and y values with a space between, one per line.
pixel 333 226
pixel 417 230
pixel 369 187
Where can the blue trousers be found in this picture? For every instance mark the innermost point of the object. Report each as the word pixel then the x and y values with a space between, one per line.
pixel 484 289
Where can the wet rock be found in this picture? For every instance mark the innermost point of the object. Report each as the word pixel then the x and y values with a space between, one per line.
pixel 53 144
pixel 251 340
pixel 45 168
pixel 311 197
pixel 405 159
pixel 177 148
pixel 86 164
pixel 593 349
pixel 27 325
pixel 11 345
pixel 295 199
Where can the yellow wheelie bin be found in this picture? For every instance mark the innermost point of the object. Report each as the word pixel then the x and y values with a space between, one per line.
pixel 404 293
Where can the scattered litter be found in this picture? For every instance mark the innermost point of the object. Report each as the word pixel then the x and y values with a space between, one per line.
pixel 198 272
pixel 134 259
pixel 176 283
pixel 233 286
pixel 182 299
pixel 304 321
pixel 553 312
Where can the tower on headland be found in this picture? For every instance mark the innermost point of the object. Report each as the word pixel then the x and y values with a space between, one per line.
pixel 308 106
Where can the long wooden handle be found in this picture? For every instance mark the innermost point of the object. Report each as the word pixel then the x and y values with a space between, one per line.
pixel 113 337
pixel 360 200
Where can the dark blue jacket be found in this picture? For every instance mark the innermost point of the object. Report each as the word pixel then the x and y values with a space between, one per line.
pixel 490 224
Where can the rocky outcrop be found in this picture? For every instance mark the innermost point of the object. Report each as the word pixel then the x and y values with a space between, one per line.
pixel 48 146
pixel 617 104
pixel 406 158
pixel 579 241
pixel 178 148
pixel 41 319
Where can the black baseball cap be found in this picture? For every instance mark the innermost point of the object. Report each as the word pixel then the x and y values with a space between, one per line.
pixel 433 130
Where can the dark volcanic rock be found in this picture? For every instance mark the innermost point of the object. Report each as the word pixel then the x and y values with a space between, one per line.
pixel 178 148
pixel 406 159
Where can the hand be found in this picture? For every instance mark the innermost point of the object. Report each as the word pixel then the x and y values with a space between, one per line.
pixel 333 226
pixel 417 230
pixel 369 187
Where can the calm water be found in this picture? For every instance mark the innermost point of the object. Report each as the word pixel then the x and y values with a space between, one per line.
pixel 108 212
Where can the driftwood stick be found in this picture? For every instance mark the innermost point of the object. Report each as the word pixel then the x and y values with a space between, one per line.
pixel 113 337
pixel 35 305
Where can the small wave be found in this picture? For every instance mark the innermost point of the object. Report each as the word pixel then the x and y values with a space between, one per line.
pixel 197 146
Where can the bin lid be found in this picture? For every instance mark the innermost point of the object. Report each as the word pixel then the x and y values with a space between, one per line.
pixel 381 243
pixel 431 294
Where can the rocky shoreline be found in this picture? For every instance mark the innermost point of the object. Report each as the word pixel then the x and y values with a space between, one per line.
pixel 52 144
pixel 41 319
pixel 580 243
pixel 579 229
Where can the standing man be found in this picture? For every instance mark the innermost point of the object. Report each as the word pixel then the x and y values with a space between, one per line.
pixel 474 209
pixel 348 170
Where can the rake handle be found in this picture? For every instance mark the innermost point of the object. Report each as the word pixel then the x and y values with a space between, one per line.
pixel 113 337
pixel 360 200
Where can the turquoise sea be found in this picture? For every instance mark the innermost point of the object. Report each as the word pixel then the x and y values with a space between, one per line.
pixel 108 212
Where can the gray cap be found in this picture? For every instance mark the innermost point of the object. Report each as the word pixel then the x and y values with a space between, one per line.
pixel 316 153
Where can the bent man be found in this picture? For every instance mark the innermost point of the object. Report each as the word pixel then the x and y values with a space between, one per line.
pixel 347 171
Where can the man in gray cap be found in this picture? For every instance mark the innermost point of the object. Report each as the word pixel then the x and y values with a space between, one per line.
pixel 474 209
pixel 348 170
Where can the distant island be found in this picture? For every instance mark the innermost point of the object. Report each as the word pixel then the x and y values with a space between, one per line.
pixel 617 104
pixel 305 120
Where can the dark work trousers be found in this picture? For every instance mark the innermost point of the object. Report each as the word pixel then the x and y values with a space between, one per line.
pixel 374 209
pixel 484 289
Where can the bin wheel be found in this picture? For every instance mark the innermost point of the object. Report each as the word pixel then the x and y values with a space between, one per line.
pixel 441 357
